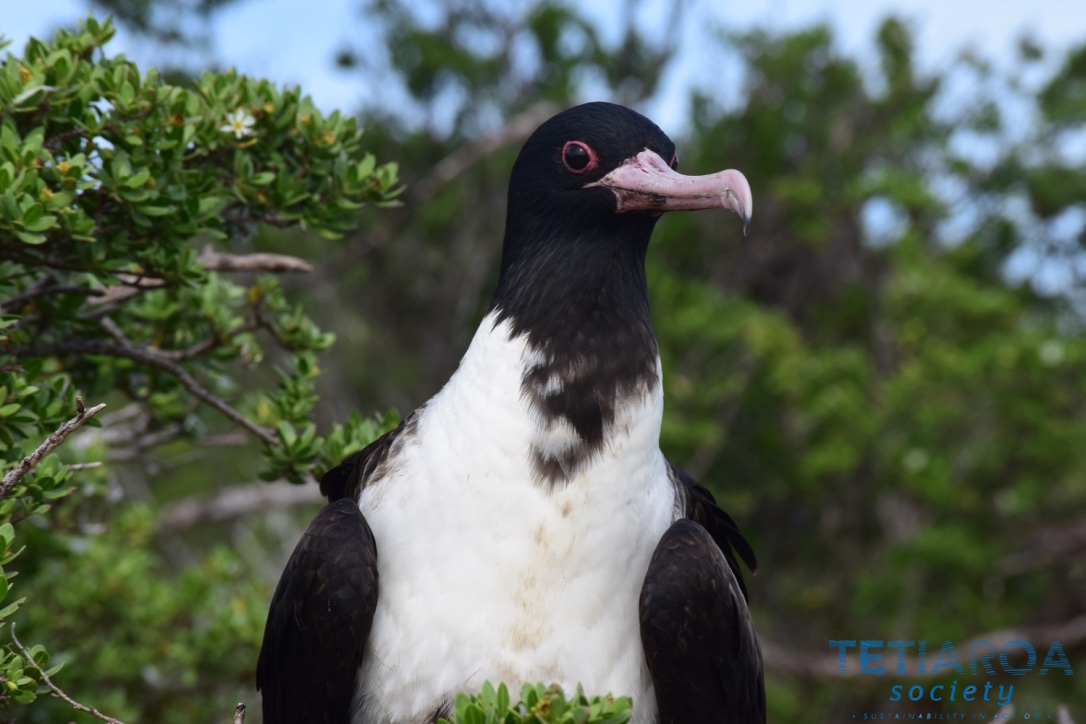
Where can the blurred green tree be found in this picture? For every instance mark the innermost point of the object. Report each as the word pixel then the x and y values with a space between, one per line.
pixel 889 406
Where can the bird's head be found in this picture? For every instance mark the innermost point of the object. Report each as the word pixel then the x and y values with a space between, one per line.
pixel 585 193
pixel 604 164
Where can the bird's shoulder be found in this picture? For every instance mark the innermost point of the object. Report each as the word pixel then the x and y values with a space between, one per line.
pixel 372 462
pixel 702 508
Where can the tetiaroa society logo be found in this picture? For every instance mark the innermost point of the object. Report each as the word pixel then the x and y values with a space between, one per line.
pixel 913 659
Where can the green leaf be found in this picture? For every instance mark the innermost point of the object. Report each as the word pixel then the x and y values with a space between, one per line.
pixel 29 237
pixel 6 612
pixel 138 179
pixel 42 224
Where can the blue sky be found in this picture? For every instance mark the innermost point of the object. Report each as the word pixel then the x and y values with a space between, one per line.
pixel 271 38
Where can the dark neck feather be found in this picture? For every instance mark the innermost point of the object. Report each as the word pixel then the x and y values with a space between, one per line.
pixel 578 291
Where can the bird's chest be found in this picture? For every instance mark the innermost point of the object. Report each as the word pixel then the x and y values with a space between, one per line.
pixel 490 572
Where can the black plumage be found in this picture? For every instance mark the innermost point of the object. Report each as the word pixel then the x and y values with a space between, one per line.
pixel 320 619
pixel 698 637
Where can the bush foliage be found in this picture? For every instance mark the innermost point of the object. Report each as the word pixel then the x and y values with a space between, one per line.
pixel 116 190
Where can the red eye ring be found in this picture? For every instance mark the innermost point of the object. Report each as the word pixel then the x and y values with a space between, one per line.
pixel 578 157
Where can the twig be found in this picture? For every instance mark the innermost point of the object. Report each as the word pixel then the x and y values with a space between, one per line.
pixel 12 478
pixel 221 261
pixel 84 466
pixel 110 327
pixel 151 358
pixel 234 502
pixel 239 714
pixel 1049 546
pixel 132 284
pixel 133 445
pixel 45 290
pixel 215 340
pixel 57 692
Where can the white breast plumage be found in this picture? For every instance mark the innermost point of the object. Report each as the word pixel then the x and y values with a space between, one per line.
pixel 543 585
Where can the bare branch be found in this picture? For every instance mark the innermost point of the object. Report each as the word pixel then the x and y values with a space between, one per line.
pixel 456 163
pixel 801 664
pixel 44 288
pixel 131 436
pixel 12 478
pixel 57 692
pixel 1048 546
pixel 84 466
pixel 221 261
pixel 151 358
pixel 130 286
pixel 110 327
pixel 236 501
pixel 239 714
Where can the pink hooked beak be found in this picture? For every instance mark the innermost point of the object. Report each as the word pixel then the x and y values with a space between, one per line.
pixel 646 183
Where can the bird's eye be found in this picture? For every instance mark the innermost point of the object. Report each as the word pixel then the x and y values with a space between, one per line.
pixel 578 157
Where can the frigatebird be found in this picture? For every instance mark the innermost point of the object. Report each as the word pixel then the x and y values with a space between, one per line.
pixel 523 525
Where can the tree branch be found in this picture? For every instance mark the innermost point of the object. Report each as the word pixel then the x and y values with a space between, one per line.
pixel 221 261
pixel 234 502
pixel 217 339
pixel 151 358
pixel 1048 546
pixel 44 288
pixel 130 286
pixel 57 692
pixel 77 467
pixel 210 259
pixel 12 478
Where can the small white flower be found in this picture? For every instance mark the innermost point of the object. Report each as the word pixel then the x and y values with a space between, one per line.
pixel 239 123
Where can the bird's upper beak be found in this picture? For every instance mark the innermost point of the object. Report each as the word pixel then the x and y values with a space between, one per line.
pixel 646 183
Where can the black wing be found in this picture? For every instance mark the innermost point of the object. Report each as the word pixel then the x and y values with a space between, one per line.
pixel 702 507
pixel 320 620
pixel 698 636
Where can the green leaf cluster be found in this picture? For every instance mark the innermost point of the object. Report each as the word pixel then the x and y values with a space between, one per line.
pixel 18 685
pixel 538 704
pixel 128 212
pixel 210 615
pixel 83 141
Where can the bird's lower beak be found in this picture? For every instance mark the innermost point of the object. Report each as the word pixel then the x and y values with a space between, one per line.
pixel 646 183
